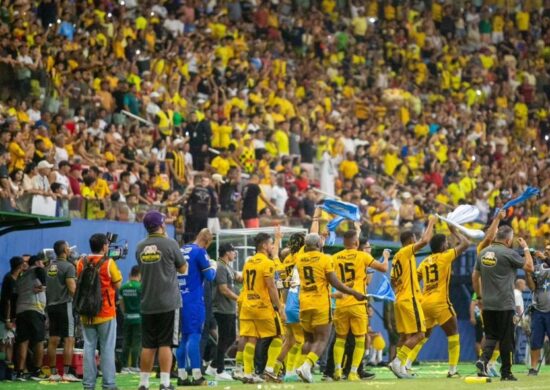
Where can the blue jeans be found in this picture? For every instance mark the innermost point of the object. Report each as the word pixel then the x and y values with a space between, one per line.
pixel 106 335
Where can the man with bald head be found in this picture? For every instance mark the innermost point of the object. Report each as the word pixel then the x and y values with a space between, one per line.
pixel 194 311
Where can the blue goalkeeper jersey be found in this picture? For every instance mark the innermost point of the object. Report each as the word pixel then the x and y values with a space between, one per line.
pixel 198 269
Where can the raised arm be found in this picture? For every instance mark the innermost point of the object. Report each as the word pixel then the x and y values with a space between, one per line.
pixel 427 235
pixel 382 266
pixel 528 266
pixel 492 231
pixel 463 242
pixel 315 221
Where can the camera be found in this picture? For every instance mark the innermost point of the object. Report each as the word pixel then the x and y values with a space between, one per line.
pixel 116 250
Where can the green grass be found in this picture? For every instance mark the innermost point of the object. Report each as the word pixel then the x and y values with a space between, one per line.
pixel 431 376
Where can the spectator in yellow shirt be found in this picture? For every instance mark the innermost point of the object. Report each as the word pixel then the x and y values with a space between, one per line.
pixel 220 164
pixel 349 167
pixel 281 138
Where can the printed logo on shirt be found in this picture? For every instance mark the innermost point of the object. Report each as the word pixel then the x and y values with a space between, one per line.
pixel 52 271
pixel 150 254
pixel 489 259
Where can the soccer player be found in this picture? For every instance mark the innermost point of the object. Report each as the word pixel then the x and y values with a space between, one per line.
pixel 409 316
pixel 435 272
pixel 350 314
pixel 316 271
pixel 193 314
pixel 261 312
pixel 294 338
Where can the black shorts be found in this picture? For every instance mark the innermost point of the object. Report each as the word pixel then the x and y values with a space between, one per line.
pixel 160 329
pixel 31 326
pixel 61 320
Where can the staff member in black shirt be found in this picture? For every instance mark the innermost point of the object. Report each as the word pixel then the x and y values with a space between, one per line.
pixel 251 192
pixel 8 299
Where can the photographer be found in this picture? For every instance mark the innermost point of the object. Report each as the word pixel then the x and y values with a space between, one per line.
pixel 60 289
pixel 539 283
pixel 159 257
pixel 102 327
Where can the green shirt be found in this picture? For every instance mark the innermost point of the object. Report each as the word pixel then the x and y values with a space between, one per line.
pixel 130 293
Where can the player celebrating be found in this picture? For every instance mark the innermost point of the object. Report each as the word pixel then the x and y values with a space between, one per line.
pixel 409 316
pixel 193 314
pixel 261 312
pixel 435 272
pixel 316 271
pixel 351 266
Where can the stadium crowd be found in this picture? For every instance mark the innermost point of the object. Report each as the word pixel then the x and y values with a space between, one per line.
pixel 402 107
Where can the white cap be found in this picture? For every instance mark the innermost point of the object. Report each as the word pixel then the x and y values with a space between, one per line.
pixel 44 164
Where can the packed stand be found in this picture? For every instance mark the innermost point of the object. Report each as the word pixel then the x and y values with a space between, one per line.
pixel 401 108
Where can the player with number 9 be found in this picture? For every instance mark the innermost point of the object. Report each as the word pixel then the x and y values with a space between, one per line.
pixel 316 271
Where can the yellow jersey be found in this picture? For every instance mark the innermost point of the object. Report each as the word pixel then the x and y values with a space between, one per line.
pixel 403 274
pixel 351 267
pixel 256 303
pixel 435 272
pixel 313 268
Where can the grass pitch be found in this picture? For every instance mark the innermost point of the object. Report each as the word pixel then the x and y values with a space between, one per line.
pixel 431 376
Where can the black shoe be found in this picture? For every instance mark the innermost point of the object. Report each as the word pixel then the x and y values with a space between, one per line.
pixel 454 375
pixel 532 372
pixel 143 388
pixel 199 382
pixel 367 376
pixel 481 368
pixel 169 387
pixel 382 364
pixel 370 364
pixel 508 378
pixel 184 382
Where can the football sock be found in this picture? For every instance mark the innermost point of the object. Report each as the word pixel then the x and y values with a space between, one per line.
pixel 197 373
pixel 358 353
pixel 144 379
pixel 339 349
pixel 300 359
pixel 181 352
pixel 495 356
pixel 414 353
pixel 403 354
pixel 239 359
pixel 273 353
pixel 454 352
pixel 182 373
pixel 311 359
pixel 292 357
pixel 248 358
pixel 165 378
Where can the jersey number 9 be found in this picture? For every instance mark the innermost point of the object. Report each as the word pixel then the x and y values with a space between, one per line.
pixel 308 275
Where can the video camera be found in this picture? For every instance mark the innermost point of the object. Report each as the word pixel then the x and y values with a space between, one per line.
pixel 116 250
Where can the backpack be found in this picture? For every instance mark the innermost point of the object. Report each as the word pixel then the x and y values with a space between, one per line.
pixel 88 299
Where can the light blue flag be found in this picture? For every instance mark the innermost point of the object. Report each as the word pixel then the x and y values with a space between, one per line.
pixel 384 291
pixel 344 211
pixel 528 193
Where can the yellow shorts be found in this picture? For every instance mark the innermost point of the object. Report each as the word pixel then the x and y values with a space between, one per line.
pixel 354 317
pixel 261 328
pixel 312 318
pixel 409 316
pixel 297 331
pixel 437 313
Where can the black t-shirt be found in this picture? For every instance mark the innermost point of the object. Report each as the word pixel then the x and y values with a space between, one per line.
pixel 229 194
pixel 7 296
pixel 129 153
pixel 250 201
pixel 198 204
